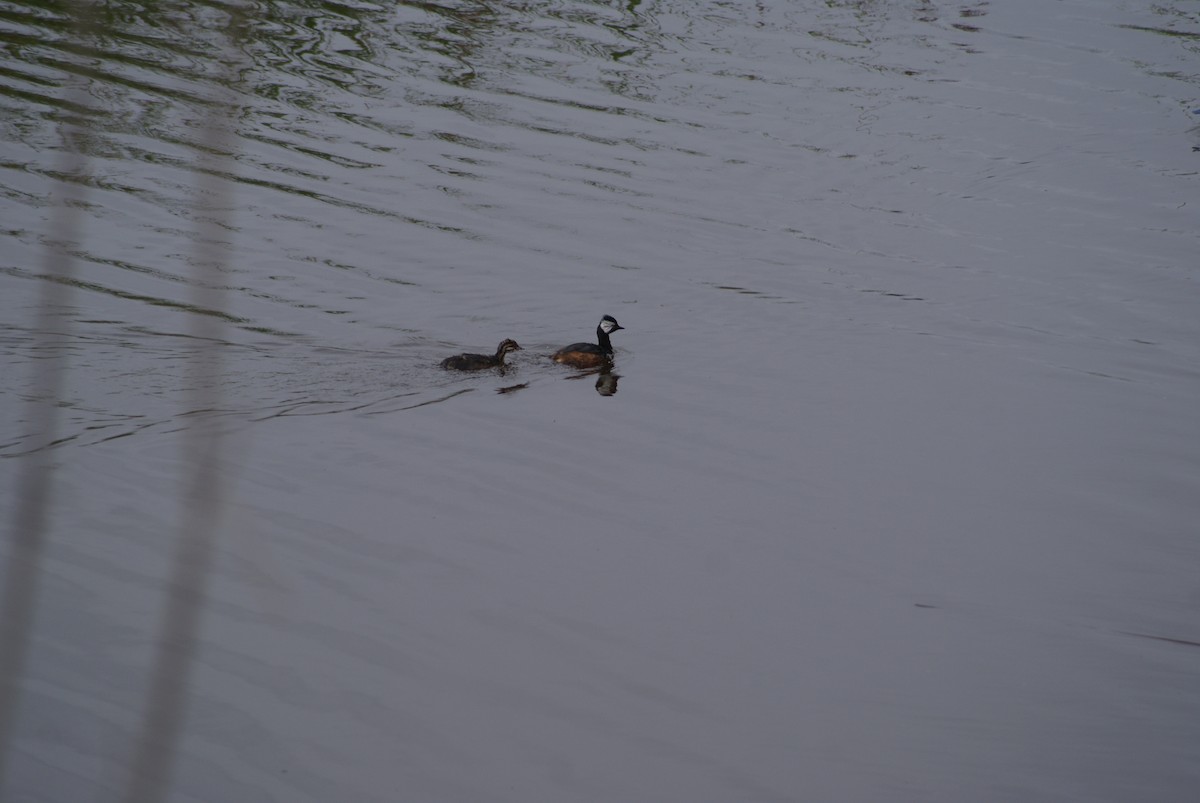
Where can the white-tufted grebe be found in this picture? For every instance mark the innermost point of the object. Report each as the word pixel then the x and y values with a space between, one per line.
pixel 590 355
pixel 476 362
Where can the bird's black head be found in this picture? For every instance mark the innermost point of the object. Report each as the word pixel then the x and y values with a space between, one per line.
pixel 609 324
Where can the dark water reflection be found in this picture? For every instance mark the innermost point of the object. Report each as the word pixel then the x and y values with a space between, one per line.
pixel 897 499
pixel 606 383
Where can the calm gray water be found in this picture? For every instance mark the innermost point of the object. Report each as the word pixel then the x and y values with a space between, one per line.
pixel 897 498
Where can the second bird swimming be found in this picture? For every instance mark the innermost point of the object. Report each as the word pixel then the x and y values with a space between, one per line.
pixel 476 362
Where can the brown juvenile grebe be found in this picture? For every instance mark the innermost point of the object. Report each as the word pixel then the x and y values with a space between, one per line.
pixel 589 355
pixel 476 362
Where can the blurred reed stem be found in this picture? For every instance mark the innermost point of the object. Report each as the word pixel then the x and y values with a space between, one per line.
pixel 35 489
pixel 163 718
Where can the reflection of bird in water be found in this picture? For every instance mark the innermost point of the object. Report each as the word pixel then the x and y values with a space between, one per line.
pixel 606 380
pixel 590 355
pixel 606 383
pixel 476 362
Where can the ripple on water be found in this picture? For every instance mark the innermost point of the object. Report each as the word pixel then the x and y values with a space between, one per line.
pixel 802 528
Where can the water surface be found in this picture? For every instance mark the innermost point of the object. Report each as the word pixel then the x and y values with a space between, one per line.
pixel 890 494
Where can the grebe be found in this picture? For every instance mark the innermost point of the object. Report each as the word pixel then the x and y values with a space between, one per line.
pixel 589 355
pixel 476 362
